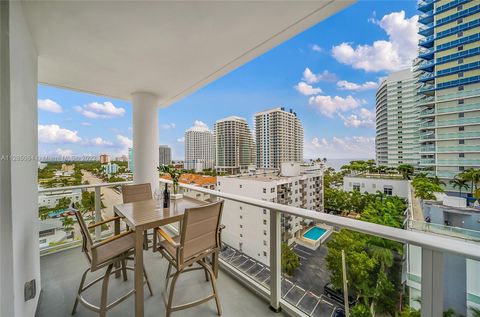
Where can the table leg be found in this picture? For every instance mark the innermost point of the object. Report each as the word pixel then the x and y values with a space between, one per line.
pixel 117 231
pixel 215 263
pixel 138 273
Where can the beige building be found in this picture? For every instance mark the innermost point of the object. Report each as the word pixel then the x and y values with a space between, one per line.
pixel 279 138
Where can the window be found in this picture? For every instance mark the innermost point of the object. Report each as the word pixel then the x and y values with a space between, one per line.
pixel 241 226
pixel 460 21
pixel 264 190
pixel 460 61
pixel 461 128
pixel 461 115
pixel 264 232
pixel 264 221
pixel 460 7
pixel 461 154
pixel 388 190
pixel 459 34
pixel 241 235
pixel 461 141
pixel 461 101
pixel 461 168
pixel 241 217
pixel 264 253
pixel 272 190
pixel 264 211
pixel 264 242
pixel 241 208
pixel 240 185
pixel 460 75
pixel 356 187
pixel 460 48
pixel 461 88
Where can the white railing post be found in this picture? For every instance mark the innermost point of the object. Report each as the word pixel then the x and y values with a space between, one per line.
pixel 432 283
pixel 275 260
pixel 98 212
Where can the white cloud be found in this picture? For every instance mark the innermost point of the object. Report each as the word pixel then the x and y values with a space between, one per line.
pixel 181 140
pixel 328 105
pixel 123 143
pixel 167 126
pixel 311 78
pixel 346 85
pixel 384 55
pixel 363 119
pixel 200 124
pixel 53 133
pixel 63 152
pixel 341 147
pixel 317 48
pixel 306 89
pixel 98 141
pixel 97 110
pixel 85 124
pixel 49 105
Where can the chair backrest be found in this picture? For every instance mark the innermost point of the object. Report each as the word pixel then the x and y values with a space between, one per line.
pixel 137 192
pixel 200 230
pixel 87 241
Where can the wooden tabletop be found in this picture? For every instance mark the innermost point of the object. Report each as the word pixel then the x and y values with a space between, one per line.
pixel 148 214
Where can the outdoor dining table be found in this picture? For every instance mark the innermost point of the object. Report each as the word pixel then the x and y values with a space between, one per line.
pixel 144 215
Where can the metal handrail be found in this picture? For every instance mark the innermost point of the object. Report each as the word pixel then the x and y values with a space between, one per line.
pixel 432 242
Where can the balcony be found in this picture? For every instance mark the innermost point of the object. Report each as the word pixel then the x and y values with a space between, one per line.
pixel 427 161
pixel 427 42
pixel 427 112
pixel 460 108
pixel 425 5
pixel 426 77
pixel 426 88
pixel 458 162
pixel 426 29
pixel 427 149
pixel 426 65
pixel 455 122
pixel 459 135
pixel 459 149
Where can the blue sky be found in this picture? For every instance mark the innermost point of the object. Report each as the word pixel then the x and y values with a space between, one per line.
pixel 327 75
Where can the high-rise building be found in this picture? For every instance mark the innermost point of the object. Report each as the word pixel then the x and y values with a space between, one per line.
pixel 397 120
pixel 234 146
pixel 164 155
pixel 249 226
pixel 199 149
pixel 104 158
pixel 130 159
pixel 279 138
pixel 449 84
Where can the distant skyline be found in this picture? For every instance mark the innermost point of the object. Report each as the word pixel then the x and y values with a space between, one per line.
pixel 328 75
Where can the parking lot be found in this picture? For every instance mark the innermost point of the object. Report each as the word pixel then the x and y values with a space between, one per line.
pixel 303 290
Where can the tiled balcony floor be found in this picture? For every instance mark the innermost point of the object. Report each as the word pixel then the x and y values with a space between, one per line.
pixel 61 273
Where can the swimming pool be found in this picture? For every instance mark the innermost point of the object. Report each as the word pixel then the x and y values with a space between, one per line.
pixel 314 233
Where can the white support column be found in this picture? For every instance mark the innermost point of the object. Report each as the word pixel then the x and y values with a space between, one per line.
pixel 432 283
pixel 145 138
pixel 275 260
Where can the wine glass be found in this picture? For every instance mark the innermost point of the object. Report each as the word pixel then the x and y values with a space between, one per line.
pixel 157 195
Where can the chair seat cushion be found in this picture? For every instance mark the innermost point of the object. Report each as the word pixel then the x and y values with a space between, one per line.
pixel 115 248
pixel 171 250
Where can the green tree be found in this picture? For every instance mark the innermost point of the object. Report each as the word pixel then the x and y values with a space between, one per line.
pixel 459 183
pixel 406 170
pixel 424 188
pixel 409 312
pixel 360 310
pixel 67 223
pixel 473 176
pixel 475 311
pixel 290 260
pixel 449 313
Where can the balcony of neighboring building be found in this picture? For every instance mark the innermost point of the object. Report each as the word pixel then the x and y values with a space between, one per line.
pixel 425 5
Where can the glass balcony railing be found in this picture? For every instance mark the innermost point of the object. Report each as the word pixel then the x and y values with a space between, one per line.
pixel 426 64
pixel 427 149
pixel 460 162
pixel 292 256
pixel 451 231
pixel 468 107
pixel 427 112
pixel 427 42
pixel 427 124
pixel 459 148
pixel 463 94
pixel 427 161
pixel 459 135
pixel 425 51
pixel 426 77
pixel 443 123
pixel 426 88
pixel 423 99
pixel 429 136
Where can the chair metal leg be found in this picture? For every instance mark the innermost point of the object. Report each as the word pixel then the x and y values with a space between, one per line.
pixel 213 280
pixel 104 298
pixel 167 277
pixel 124 269
pixel 148 282
pixel 80 289
pixel 170 296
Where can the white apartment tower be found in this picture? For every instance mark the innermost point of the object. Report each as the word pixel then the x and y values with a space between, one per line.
pixel 279 138
pixel 235 150
pixel 199 149
pixel 248 226
pixel 397 120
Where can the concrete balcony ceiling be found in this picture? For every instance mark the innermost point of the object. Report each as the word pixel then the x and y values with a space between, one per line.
pixel 170 49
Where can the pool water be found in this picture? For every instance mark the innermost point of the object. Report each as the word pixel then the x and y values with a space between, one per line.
pixel 314 233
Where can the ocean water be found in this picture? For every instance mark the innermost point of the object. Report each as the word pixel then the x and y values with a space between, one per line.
pixel 337 163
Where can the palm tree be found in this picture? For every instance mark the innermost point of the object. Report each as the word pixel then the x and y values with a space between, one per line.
pixel 436 180
pixel 475 311
pixel 473 176
pixel 406 170
pixel 460 183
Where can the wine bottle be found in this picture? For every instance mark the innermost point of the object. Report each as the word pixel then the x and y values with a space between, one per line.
pixel 166 197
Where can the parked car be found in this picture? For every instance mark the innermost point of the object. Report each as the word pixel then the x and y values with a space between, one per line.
pixel 338 312
pixel 337 295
